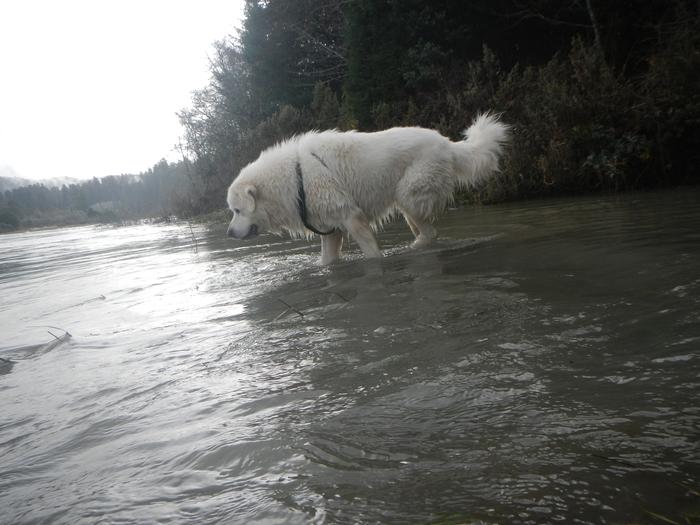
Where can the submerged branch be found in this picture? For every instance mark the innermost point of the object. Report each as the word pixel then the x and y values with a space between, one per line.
pixel 289 307
pixel 194 238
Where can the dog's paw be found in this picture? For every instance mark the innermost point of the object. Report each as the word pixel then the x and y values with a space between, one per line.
pixel 421 242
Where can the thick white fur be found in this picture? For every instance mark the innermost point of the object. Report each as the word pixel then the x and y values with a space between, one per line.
pixel 355 181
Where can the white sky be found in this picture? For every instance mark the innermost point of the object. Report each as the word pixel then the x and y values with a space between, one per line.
pixel 91 87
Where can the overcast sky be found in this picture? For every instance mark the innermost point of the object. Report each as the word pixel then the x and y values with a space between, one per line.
pixel 90 88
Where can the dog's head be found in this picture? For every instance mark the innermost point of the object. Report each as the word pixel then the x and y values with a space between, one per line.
pixel 249 219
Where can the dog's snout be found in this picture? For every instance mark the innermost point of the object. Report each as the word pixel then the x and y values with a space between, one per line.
pixel 252 232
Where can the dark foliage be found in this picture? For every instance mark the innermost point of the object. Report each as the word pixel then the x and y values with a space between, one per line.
pixel 603 96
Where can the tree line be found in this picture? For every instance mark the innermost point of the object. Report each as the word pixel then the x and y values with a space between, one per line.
pixel 158 192
pixel 602 96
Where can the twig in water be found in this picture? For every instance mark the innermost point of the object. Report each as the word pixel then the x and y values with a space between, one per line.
pixel 289 307
pixel 222 354
pixel 194 238
pixel 57 341
pixel 280 314
pixel 660 517
pixel 335 293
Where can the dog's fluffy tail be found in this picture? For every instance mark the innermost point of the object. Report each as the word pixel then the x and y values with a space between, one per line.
pixel 476 157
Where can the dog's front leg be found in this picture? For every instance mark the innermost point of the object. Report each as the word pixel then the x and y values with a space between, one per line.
pixel 358 228
pixel 331 245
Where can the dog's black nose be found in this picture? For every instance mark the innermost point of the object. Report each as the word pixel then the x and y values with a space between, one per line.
pixel 252 232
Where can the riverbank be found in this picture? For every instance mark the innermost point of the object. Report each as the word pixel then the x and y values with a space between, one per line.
pixel 463 199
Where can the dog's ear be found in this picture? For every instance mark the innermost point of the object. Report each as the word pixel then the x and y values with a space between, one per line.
pixel 249 194
pixel 251 191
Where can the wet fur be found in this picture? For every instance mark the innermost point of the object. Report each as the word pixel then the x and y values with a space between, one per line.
pixel 355 181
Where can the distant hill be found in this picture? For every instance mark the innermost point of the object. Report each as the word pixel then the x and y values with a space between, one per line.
pixel 161 191
pixel 11 183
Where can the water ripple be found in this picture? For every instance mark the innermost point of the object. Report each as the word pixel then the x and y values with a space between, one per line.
pixel 538 364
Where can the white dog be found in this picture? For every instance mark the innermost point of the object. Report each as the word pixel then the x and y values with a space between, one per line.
pixel 332 182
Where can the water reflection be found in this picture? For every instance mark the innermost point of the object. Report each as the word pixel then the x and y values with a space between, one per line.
pixel 539 364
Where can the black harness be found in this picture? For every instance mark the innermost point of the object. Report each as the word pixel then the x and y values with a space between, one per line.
pixel 302 203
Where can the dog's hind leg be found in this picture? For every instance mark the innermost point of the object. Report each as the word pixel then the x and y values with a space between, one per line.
pixel 411 224
pixel 331 245
pixel 421 195
pixel 358 228
pixel 424 231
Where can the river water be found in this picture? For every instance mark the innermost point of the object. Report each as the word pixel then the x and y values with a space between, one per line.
pixel 538 365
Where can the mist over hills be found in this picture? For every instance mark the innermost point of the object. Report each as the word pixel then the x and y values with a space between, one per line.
pixel 11 182
pixel 158 192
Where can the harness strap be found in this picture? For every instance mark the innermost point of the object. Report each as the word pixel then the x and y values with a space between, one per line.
pixel 302 204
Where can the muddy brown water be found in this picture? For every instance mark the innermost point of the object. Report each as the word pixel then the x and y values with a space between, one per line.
pixel 538 365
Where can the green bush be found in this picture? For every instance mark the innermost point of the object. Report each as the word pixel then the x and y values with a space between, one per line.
pixel 577 125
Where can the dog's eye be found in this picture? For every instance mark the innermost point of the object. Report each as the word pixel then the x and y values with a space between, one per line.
pixel 236 211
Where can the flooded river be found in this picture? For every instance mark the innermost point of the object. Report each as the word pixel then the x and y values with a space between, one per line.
pixel 540 364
